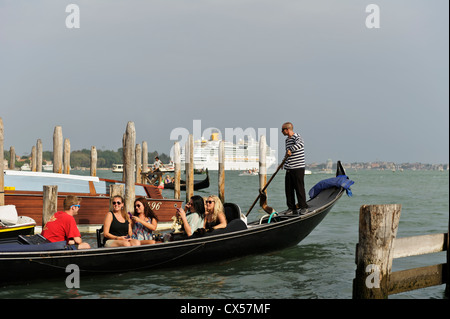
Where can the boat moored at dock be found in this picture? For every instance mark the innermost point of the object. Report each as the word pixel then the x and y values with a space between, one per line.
pixel 25 191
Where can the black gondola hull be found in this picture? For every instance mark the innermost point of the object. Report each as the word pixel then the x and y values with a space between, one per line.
pixel 27 266
pixel 283 231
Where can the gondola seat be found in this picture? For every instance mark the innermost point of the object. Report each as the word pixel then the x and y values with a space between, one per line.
pixel 100 240
pixel 232 211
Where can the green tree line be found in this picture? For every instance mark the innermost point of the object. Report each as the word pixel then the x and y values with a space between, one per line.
pixel 105 158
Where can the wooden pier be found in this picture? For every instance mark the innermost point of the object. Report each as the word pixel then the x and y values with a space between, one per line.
pixel 378 247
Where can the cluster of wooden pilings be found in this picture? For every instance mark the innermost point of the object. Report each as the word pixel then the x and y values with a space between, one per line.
pixel 135 162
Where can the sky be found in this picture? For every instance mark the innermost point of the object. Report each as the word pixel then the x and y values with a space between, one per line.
pixel 354 92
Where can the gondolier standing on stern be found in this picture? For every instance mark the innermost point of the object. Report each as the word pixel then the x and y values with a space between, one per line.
pixel 295 170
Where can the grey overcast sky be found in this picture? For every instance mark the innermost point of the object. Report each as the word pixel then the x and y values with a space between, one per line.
pixel 354 93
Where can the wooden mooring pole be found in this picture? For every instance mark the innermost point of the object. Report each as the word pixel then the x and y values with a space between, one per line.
pixel 138 165
pixel 222 171
pixel 189 167
pixel 93 161
pixel 66 158
pixel 177 170
pixel 50 202
pixel 57 150
pixel 144 161
pixel 378 247
pixel 39 151
pixel 378 226
pixel 262 169
pixel 129 142
pixel 12 158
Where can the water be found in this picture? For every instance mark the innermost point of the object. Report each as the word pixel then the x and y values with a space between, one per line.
pixel 322 266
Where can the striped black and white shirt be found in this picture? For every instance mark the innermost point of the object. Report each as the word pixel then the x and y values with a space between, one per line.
pixel 296 146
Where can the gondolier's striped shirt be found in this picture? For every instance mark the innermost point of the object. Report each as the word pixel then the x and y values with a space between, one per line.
pixel 296 146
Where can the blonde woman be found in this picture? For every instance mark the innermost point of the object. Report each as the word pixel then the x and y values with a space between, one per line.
pixel 214 213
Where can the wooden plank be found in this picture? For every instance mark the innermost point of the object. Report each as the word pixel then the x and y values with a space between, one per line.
pixel 419 245
pixel 416 278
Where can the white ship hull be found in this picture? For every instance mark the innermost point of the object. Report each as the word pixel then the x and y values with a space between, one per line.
pixel 241 156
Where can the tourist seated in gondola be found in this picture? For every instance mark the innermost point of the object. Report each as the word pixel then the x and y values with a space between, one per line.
pixel 117 229
pixel 214 214
pixel 194 216
pixel 63 227
pixel 144 222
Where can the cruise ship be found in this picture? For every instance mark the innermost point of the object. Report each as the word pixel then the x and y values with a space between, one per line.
pixel 241 156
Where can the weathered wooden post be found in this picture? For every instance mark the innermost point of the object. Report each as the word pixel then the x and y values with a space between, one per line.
pixel 138 159
pixel 115 190
pixel 57 150
pixel 93 161
pixel 189 150
pixel 378 226
pixel 129 143
pixel 66 157
pixel 50 202
pixel 177 170
pixel 39 155
pixel 262 169
pixel 12 158
pixel 144 160
pixel 33 158
pixel 2 176
pixel 222 171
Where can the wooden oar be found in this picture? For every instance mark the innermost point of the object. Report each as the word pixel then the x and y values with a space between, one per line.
pixel 261 192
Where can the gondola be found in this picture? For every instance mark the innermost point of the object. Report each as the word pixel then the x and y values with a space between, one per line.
pixel 270 233
pixel 197 184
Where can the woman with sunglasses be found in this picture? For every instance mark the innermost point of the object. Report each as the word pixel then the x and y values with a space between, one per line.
pixel 117 226
pixel 215 213
pixel 144 222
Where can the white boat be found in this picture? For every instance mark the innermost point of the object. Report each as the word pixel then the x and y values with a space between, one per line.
pixel 242 156
pixel 25 167
pixel 47 167
pixel 118 168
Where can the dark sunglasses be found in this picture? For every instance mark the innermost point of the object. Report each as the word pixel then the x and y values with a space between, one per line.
pixel 117 203
pixel 209 202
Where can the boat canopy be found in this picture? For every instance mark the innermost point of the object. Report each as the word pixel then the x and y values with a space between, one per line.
pixel 66 183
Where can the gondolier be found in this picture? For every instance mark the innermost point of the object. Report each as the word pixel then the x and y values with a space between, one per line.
pixel 295 169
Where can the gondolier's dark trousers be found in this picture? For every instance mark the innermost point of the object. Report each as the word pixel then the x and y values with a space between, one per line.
pixel 294 185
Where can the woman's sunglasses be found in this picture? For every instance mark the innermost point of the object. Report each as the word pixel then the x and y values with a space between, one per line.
pixel 117 203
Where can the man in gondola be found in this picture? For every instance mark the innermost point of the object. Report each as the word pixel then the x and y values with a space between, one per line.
pixel 295 170
pixel 63 227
